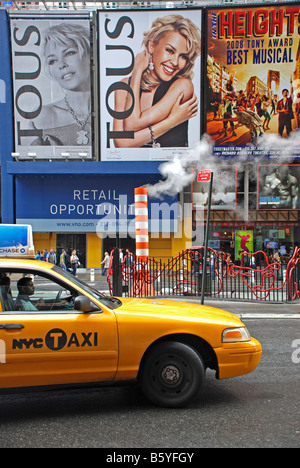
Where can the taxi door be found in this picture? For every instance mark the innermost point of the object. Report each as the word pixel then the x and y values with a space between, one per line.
pixel 57 347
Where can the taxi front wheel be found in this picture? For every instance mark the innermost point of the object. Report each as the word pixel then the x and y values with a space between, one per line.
pixel 172 374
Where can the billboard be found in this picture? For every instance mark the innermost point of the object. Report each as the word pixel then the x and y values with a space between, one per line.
pixel 223 190
pixel 149 70
pixel 253 74
pixel 89 204
pixel 278 187
pixel 51 87
pixel 6 127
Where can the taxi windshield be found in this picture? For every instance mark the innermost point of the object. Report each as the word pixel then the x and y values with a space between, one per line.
pixel 109 301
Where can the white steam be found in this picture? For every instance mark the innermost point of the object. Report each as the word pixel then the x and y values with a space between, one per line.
pixel 177 173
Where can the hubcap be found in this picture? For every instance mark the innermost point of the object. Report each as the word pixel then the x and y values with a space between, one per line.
pixel 170 375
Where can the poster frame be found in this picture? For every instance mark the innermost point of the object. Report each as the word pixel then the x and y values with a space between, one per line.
pixel 73 152
pixel 201 63
pixel 211 168
pixel 245 233
pixel 259 188
pixel 252 151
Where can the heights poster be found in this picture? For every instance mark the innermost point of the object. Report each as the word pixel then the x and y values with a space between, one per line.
pixel 253 75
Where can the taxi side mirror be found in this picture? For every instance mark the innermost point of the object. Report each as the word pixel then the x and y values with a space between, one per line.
pixel 83 304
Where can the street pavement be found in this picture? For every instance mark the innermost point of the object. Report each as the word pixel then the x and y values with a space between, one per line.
pixel 256 410
pixel 254 309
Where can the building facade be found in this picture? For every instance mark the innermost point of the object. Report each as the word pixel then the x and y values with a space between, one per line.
pixel 70 159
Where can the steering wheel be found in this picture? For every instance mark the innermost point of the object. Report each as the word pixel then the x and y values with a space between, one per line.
pixel 57 298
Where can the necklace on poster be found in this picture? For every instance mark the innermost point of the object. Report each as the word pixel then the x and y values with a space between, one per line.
pixel 82 135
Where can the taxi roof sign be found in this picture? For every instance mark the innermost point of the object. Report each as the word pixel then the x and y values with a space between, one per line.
pixel 16 240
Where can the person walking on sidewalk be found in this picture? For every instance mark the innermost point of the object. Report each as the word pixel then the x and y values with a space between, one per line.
pixel 74 262
pixel 51 257
pixel 62 260
pixel 105 263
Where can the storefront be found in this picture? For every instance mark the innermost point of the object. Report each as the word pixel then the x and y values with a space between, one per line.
pixel 234 237
pixel 90 213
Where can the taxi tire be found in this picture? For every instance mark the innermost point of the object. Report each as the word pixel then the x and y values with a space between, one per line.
pixel 172 374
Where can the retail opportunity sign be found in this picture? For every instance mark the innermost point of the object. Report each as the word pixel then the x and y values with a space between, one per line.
pixel 91 204
pixel 146 77
pixel 52 87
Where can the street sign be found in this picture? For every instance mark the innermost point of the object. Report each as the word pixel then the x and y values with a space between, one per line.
pixel 204 176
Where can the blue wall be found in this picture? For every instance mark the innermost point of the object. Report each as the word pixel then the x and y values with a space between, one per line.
pixel 6 115
pixel 14 173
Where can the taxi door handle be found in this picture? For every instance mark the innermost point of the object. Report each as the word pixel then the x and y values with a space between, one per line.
pixel 11 326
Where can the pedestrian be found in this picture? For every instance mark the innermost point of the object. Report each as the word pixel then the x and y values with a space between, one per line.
pixel 253 268
pixel 51 257
pixel 196 264
pixel 226 263
pixel 277 259
pixel 212 265
pixel 252 261
pixel 245 259
pixel 44 256
pixel 62 260
pixel 74 262
pixel 184 264
pixel 38 255
pixel 67 261
pixel 105 263
pixel 128 258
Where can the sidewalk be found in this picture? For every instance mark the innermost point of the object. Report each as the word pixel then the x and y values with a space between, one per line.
pixel 249 309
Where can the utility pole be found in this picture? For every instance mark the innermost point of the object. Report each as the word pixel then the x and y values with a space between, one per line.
pixel 209 176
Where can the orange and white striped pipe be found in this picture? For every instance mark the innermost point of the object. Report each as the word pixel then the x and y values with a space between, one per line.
pixel 141 223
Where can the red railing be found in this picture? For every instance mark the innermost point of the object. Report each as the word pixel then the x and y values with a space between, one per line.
pixel 182 275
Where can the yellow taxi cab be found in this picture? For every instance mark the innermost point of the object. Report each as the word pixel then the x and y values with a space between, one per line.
pixel 55 330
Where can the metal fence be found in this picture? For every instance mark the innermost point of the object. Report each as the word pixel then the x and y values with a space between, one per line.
pixel 248 279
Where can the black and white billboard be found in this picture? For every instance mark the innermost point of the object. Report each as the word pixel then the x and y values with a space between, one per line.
pixel 52 87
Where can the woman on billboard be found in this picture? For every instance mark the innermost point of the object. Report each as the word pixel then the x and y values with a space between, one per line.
pixel 161 83
pixel 67 121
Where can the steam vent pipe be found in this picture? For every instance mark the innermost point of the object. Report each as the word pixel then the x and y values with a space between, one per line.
pixel 141 223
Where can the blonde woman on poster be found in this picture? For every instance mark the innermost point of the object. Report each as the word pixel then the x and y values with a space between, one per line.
pixel 66 53
pixel 161 83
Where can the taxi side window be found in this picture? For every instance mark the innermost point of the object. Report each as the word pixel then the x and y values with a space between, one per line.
pixel 5 293
pixel 24 291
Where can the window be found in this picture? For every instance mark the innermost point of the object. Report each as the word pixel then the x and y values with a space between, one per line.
pixel 21 290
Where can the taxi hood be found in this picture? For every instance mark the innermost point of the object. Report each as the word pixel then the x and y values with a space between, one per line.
pixel 175 309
